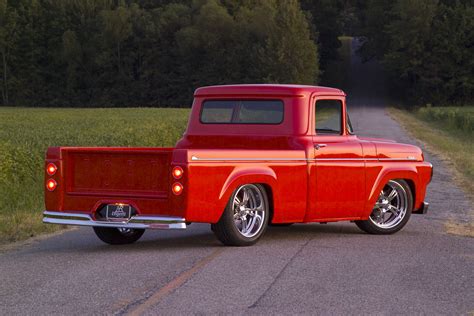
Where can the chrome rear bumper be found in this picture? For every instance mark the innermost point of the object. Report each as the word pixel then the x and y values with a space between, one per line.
pixel 136 222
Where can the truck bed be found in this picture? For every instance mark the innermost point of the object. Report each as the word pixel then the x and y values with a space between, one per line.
pixel 90 177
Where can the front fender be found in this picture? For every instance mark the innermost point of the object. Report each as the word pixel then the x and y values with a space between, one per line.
pixel 386 174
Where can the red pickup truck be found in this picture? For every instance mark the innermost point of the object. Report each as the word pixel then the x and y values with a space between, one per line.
pixel 252 155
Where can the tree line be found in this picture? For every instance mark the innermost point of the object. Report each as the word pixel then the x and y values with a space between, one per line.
pixel 156 52
pixel 129 53
pixel 426 45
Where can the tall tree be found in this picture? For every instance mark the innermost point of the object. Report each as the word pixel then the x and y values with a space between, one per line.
pixel 374 18
pixel 117 27
pixel 447 71
pixel 8 34
pixel 408 32
pixel 293 53
pixel 72 54
pixel 327 17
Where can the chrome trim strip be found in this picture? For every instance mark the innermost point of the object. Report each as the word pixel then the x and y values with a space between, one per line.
pixel 346 159
pixel 194 158
pixel 398 159
pixel 136 222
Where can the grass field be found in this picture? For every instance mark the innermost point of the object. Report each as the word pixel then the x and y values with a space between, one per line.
pixel 26 133
pixel 448 131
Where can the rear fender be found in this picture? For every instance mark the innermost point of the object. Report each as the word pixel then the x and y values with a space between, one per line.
pixel 243 175
pixel 387 174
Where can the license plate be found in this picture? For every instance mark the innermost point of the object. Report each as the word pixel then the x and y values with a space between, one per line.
pixel 118 212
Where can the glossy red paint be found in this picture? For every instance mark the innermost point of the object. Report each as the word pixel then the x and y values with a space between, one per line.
pixel 309 177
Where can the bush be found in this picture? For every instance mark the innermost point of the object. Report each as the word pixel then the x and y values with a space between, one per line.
pixel 456 118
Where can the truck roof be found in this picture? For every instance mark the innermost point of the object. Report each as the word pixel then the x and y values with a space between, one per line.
pixel 266 89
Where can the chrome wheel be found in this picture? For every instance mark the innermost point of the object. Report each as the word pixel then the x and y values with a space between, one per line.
pixel 391 206
pixel 125 231
pixel 249 208
pixel 245 217
pixel 118 236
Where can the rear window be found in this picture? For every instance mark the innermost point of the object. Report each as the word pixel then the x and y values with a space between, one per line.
pixel 242 112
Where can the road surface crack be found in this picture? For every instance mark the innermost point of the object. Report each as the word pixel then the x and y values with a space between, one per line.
pixel 278 276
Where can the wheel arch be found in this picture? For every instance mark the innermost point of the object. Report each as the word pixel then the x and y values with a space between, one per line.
pixel 412 186
pixel 269 191
pixel 409 174
pixel 264 176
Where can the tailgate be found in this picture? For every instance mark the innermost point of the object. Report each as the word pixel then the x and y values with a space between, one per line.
pixel 125 172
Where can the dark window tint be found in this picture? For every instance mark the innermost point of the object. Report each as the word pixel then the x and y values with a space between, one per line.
pixel 242 112
pixel 217 111
pixel 328 117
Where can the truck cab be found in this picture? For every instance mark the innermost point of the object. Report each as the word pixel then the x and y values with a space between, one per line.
pixel 252 155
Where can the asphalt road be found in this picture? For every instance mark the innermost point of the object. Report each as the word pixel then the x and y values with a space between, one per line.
pixel 302 269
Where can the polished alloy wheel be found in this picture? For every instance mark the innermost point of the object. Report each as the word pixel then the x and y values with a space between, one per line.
pixel 249 210
pixel 125 231
pixel 391 206
pixel 118 236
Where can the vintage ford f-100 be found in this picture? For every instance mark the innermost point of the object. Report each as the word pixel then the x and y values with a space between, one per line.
pixel 252 155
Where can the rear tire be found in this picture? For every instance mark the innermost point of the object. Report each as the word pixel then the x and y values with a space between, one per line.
pixel 392 210
pixel 118 236
pixel 245 218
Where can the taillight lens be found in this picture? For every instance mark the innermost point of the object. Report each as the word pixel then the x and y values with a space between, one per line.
pixel 177 172
pixel 51 169
pixel 177 188
pixel 51 185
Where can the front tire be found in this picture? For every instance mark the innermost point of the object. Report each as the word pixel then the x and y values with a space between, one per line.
pixel 392 210
pixel 245 218
pixel 118 236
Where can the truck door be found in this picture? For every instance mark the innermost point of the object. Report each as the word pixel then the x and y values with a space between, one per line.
pixel 337 172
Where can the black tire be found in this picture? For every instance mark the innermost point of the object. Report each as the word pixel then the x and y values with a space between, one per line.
pixel 114 236
pixel 370 227
pixel 226 229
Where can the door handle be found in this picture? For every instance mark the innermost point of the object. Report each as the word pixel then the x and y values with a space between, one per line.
pixel 318 146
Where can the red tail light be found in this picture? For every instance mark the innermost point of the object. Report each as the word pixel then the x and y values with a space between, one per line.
pixel 177 188
pixel 177 172
pixel 51 169
pixel 51 185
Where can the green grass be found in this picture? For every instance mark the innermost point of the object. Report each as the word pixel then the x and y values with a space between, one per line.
pixel 451 119
pixel 26 133
pixel 447 131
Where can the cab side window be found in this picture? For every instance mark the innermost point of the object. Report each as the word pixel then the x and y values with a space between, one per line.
pixel 328 115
